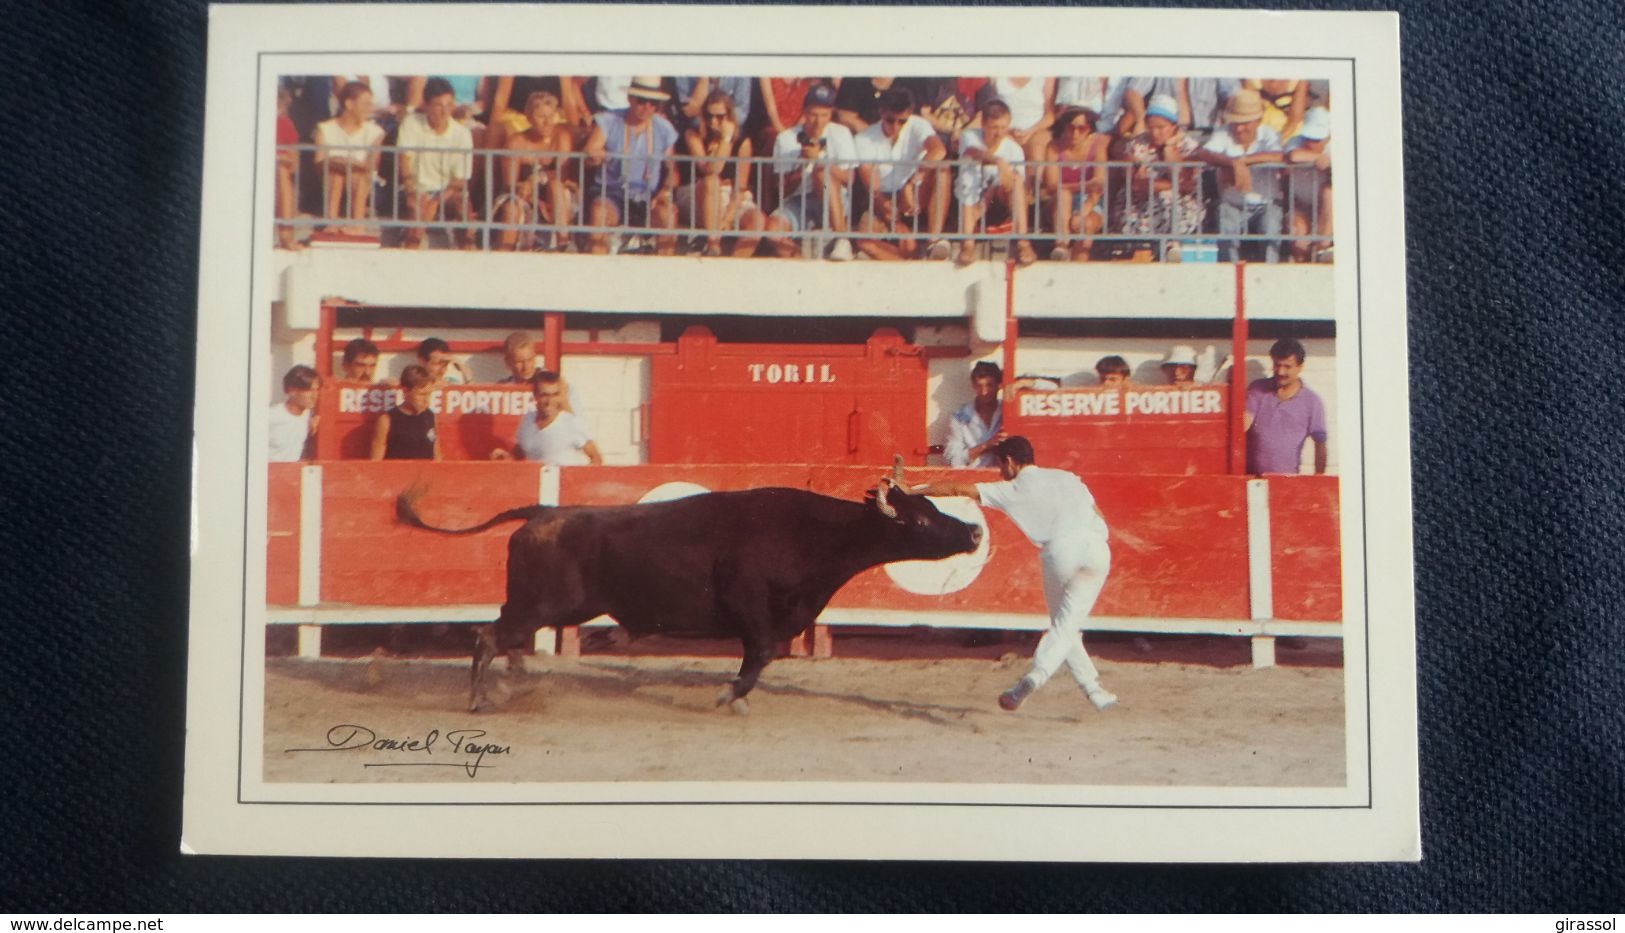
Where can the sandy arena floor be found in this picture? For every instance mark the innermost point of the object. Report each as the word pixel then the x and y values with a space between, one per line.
pixel 645 718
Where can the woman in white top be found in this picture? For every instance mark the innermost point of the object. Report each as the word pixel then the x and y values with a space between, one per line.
pixel 347 150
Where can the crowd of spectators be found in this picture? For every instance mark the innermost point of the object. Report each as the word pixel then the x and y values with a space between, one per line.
pixel 1136 168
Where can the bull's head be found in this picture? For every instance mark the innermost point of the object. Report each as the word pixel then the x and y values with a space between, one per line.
pixel 916 526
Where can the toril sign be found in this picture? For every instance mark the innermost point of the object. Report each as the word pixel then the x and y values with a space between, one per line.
pixel 776 373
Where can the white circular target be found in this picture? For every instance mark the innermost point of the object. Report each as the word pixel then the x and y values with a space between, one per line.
pixel 666 492
pixel 949 575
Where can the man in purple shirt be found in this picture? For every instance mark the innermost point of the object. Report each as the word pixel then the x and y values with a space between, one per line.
pixel 1281 414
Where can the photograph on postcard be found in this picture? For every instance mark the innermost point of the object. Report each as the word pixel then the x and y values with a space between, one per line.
pixel 981 433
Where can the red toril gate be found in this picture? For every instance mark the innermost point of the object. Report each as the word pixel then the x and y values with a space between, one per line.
pixel 717 402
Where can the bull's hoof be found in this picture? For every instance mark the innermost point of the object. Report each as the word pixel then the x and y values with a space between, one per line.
pixel 725 695
pixel 741 707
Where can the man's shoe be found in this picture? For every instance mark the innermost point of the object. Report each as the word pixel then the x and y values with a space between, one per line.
pixel 1102 698
pixel 1010 700
pixel 1060 254
pixel 841 251
pixel 938 250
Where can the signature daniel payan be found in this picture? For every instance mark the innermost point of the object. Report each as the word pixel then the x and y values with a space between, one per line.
pixel 465 747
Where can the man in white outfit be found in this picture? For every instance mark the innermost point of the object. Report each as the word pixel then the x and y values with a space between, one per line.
pixel 1057 513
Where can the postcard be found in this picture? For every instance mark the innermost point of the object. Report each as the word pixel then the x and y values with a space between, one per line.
pixel 610 446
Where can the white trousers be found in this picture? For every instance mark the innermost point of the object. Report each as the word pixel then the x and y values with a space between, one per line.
pixel 1075 570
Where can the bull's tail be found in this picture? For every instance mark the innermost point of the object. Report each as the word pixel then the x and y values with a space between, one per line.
pixel 406 511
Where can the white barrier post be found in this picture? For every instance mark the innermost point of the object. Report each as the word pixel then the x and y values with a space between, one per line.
pixel 310 555
pixel 1260 574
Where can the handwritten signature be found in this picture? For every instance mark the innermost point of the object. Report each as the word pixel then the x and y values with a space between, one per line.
pixel 464 745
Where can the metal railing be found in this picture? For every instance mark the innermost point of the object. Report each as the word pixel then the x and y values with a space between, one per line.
pixel 520 199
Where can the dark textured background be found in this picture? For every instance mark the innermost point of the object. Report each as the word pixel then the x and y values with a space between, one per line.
pixel 1514 119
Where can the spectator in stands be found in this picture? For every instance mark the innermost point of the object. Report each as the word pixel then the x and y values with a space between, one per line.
pixel 436 162
pixel 519 355
pixel 978 426
pixel 361 360
pixel 1207 98
pixel 552 436
pixel 720 196
pixel 1249 201
pixel 814 161
pixel 536 187
pixel 610 92
pixel 407 430
pixel 1285 103
pixel 1031 102
pixel 1157 199
pixel 781 107
pixel 910 170
pixel 506 97
pixel 1134 98
pixel 293 420
pixel 468 96
pixel 633 149
pixel 287 166
pixel 1075 181
pixel 692 94
pixel 1180 366
pixel 857 102
pixel 1309 186
pixel 434 355
pixel 993 183
pixel 347 150
pixel 383 107
pixel 1113 372
pixel 1281 414
pixel 936 100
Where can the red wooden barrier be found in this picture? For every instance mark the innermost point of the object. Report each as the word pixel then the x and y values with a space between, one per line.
pixel 1179 544
pixel 471 420
pixel 1141 429
pixel 717 402
pixel 1307 564
pixel 282 535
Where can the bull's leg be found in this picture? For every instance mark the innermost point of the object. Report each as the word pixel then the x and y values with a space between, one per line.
pixel 485 648
pixel 757 656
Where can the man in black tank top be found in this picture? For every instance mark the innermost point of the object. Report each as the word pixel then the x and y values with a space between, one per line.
pixel 407 432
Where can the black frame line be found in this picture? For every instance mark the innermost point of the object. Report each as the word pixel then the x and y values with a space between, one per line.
pixel 261 61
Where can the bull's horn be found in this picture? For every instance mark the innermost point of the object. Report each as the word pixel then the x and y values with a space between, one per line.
pixel 897 469
pixel 885 508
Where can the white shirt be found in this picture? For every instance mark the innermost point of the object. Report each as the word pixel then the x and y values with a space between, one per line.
pixel 1026 102
pixel 966 429
pixel 330 133
pixel 838 148
pixel 286 433
pixel 1266 180
pixel 433 171
pixel 974 179
pixel 558 444
pixel 1081 92
pixel 903 154
pixel 1046 504
pixel 610 91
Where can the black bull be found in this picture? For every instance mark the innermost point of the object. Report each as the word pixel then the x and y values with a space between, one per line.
pixel 759 565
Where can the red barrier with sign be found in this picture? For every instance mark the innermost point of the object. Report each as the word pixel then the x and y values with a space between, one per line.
pixel 1140 429
pixel 714 402
pixel 471 420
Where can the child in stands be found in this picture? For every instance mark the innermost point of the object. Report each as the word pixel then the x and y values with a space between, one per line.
pixel 407 432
